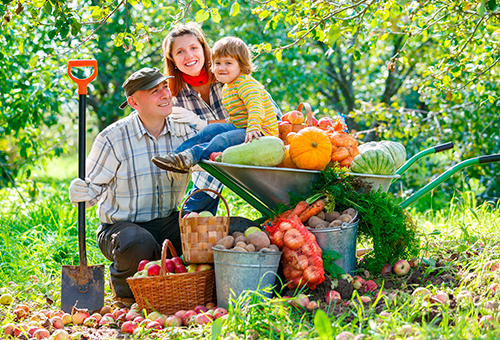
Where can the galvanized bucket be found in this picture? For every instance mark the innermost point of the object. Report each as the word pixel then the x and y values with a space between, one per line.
pixel 342 240
pixel 237 271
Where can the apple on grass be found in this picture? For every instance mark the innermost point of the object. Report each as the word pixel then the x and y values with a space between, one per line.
pixel 401 267
pixel 333 297
pixel 173 321
pixel 204 318
pixel 200 309
pixel 185 318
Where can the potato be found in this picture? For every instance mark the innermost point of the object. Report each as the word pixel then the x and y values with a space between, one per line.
pixel 259 239
pixel 345 218
pixel 274 247
pixel 241 244
pixel 313 221
pixel 350 211
pixel 321 214
pixel 336 223
pixel 219 246
pixel 322 224
pixel 240 239
pixel 332 216
pixel 250 248
pixel 239 249
pixel 227 242
pixel 236 234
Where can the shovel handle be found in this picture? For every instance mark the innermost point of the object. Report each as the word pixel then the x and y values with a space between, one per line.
pixel 82 83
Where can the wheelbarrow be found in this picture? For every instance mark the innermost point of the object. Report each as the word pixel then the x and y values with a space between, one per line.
pixel 264 188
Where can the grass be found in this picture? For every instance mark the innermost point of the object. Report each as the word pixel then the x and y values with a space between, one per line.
pixel 38 235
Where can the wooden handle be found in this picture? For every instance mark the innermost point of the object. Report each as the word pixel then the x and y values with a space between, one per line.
pixel 309 113
pixel 215 192
pixel 167 245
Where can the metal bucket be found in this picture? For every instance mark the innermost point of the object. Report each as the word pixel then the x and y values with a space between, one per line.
pixel 237 271
pixel 342 240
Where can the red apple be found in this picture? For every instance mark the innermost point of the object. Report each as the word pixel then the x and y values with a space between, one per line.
pixel 326 122
pixel 283 122
pixel 41 333
pixel 177 260
pixel 219 312
pixel 154 270
pixel 154 325
pixel 301 301
pixel 131 315
pixel 169 265
pixel 138 319
pixel 8 329
pixel 129 327
pixel 142 264
pixel 314 122
pixel 312 305
pixel 370 286
pixel 421 291
pixel 106 320
pixel 200 309
pixel 32 330
pixel 60 334
pixel 79 317
pixel 91 321
pixel 333 297
pixel 358 282
pixel 173 321
pixel 112 316
pixel 187 316
pixel 201 267
pixel 180 314
pixel 211 305
pixel 57 322
pixel 401 267
pixel 345 335
pixel 180 269
pixel 203 319
pixel 214 155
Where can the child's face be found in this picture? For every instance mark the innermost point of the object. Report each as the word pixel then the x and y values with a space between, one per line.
pixel 226 69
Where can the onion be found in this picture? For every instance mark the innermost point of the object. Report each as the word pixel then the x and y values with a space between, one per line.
pixel 293 239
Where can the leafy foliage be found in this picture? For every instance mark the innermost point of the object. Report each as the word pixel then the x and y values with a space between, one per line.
pixel 331 268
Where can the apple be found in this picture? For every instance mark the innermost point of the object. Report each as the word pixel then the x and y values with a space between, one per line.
pixel 57 322
pixel 154 270
pixel 370 286
pixel 154 325
pixel 110 315
pixel 129 327
pixel 203 319
pixel 106 309
pixel 60 334
pixel 80 316
pixel 488 266
pixel 173 321
pixel 90 321
pixel 180 269
pixel 187 316
pixel 312 305
pixel 206 214
pixel 6 299
pixel 464 295
pixel 214 155
pixel 202 267
pixel 193 214
pixel 66 318
pixel 106 320
pixel 8 329
pixel 180 314
pixel 485 321
pixel 314 122
pixel 138 319
pixel 200 309
pixel 421 291
pixel 333 297
pixel 219 312
pixel 401 267
pixel 192 267
pixel 301 301
pixel 284 122
pixel 32 330
pixel 345 335
pixel 440 297
pixel 169 265
pixel 386 269
pixel 142 264
pixel 41 333
pixel 326 122
pixel 131 315
pixel 178 261
pixel 211 305
pixel 358 282
pixel 151 263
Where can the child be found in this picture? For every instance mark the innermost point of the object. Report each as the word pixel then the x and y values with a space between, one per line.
pixel 251 113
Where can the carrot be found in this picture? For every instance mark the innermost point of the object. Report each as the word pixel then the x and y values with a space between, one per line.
pixel 299 208
pixel 313 209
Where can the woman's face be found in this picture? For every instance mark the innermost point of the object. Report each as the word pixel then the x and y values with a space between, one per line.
pixel 188 55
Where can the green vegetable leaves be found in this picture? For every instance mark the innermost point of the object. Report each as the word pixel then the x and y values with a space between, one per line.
pixel 331 268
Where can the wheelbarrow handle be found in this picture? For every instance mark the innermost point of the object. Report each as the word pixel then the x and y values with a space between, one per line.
pixel 82 83
pixel 444 176
pixel 434 149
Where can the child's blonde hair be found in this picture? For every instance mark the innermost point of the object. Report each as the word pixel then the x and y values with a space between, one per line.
pixel 235 48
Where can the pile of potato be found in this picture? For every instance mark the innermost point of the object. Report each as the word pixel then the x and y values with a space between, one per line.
pixel 255 241
pixel 331 219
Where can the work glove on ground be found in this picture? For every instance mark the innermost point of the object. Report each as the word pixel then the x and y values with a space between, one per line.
pixel 183 121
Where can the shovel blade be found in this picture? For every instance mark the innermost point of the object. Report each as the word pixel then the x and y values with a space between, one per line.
pixel 82 287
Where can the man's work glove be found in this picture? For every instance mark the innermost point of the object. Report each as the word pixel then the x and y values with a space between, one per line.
pixel 79 191
pixel 183 121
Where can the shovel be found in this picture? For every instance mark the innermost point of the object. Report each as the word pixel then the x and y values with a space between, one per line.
pixel 82 286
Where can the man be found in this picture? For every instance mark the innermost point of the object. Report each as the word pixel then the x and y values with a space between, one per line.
pixel 137 202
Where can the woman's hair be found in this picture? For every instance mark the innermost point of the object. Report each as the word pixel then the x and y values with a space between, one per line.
pixel 234 48
pixel 176 84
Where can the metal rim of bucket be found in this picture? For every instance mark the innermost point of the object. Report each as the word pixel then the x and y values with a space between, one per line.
pixel 346 225
pixel 260 252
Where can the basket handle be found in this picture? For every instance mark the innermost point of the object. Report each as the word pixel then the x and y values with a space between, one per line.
pixel 215 192
pixel 167 245
pixel 309 113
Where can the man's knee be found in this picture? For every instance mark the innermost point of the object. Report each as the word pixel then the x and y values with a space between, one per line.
pixel 132 245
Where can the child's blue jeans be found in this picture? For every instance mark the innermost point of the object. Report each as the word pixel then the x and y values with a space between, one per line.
pixel 213 138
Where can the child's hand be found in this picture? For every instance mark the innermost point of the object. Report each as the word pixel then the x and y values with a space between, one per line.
pixel 251 135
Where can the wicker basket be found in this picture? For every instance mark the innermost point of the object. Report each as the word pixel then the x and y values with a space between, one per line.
pixel 200 234
pixel 285 129
pixel 170 293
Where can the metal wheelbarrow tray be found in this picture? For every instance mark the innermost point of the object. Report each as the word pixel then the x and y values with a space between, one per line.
pixel 265 187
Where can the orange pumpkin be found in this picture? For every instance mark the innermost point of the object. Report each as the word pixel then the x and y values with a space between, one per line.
pixel 311 149
pixel 344 147
pixel 287 162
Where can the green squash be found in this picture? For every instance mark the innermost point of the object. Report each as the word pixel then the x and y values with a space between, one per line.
pixel 374 161
pixel 396 150
pixel 265 151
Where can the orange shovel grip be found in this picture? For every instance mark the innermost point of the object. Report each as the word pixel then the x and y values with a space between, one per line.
pixel 82 83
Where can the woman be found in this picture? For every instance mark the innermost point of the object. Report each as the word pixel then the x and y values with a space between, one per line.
pixel 197 100
pixel 194 87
